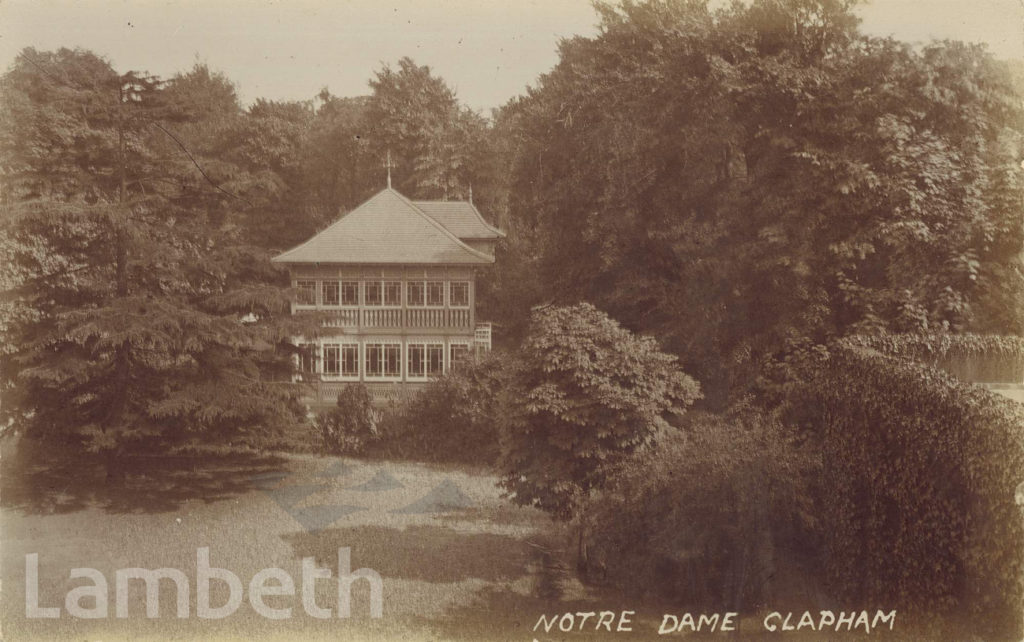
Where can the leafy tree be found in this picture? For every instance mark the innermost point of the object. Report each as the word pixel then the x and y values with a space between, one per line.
pixel 745 180
pixel 585 395
pixel 441 148
pixel 124 311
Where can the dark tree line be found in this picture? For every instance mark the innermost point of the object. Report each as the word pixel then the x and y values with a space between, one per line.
pixel 746 181
pixel 740 183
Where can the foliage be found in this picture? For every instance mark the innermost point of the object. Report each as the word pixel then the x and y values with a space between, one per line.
pixel 439 146
pixel 453 419
pixel 919 471
pixel 735 180
pixel 351 425
pixel 125 281
pixel 710 517
pixel 584 395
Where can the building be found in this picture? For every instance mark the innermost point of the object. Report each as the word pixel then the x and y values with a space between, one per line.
pixel 395 280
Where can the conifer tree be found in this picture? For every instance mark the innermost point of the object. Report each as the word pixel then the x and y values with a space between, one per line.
pixel 132 315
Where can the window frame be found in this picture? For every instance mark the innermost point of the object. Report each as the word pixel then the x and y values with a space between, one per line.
pixel 426 293
pixel 327 348
pixel 409 300
pixel 450 354
pixel 304 288
pixel 440 370
pixel 347 347
pixel 382 361
pixel 410 372
pixel 308 353
pixel 451 299
pixel 397 285
pixel 341 295
pixel 337 292
pixel 379 303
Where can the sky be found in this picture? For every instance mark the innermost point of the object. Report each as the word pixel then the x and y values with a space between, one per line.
pixel 487 50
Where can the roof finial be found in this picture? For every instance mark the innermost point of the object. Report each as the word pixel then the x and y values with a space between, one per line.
pixel 389 166
pixel 470 193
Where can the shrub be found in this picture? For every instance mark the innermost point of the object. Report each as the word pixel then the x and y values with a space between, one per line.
pixel 351 425
pixel 704 518
pixel 454 418
pixel 584 395
pixel 919 471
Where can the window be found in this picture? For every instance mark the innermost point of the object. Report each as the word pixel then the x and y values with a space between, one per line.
pixel 307 292
pixel 426 360
pixel 350 292
pixel 374 360
pixel 435 293
pixel 329 293
pixel 458 294
pixel 350 360
pixel 393 293
pixel 383 360
pixel 332 360
pixel 435 360
pixel 415 293
pixel 307 358
pixel 417 360
pixel 393 360
pixel 373 293
pixel 458 352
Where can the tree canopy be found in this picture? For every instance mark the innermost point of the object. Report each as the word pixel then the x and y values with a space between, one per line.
pixel 134 313
pixel 744 180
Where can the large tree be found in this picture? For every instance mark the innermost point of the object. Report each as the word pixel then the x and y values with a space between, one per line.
pixel 743 180
pixel 440 146
pixel 134 313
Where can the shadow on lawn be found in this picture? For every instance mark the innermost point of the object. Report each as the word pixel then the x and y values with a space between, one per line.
pixel 526 576
pixel 435 554
pixel 36 479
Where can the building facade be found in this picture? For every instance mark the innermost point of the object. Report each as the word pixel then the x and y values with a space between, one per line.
pixel 394 281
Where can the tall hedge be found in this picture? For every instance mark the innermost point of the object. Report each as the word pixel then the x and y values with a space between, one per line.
pixel 919 472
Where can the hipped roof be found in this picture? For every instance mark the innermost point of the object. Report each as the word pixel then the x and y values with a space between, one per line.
pixel 389 228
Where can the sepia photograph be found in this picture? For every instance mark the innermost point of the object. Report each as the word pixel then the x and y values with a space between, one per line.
pixel 512 320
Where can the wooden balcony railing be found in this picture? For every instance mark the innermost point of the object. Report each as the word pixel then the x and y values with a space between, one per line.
pixel 398 318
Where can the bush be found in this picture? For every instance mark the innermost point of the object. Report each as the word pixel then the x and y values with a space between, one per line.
pixel 585 394
pixel 351 425
pixel 705 518
pixel 919 471
pixel 454 419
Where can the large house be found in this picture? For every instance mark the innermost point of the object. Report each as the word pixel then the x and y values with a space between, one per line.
pixel 396 280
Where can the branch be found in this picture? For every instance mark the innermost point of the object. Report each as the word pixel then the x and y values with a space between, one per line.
pixel 196 163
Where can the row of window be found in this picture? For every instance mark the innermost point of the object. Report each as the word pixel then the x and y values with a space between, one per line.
pixel 379 360
pixel 383 293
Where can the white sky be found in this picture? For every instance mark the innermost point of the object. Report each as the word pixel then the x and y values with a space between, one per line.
pixel 488 50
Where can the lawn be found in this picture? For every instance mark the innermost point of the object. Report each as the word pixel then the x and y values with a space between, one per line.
pixel 458 561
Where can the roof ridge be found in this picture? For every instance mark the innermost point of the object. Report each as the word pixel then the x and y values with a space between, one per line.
pixel 438 225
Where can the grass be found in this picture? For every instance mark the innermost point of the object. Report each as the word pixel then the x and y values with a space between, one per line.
pixel 459 562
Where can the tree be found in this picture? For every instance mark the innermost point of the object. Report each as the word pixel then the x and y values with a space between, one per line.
pixel 747 180
pixel 585 395
pixel 441 147
pixel 125 307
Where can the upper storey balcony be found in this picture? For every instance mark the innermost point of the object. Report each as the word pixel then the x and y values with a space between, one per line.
pixel 382 303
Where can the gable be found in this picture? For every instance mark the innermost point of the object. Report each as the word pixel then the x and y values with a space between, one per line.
pixel 386 229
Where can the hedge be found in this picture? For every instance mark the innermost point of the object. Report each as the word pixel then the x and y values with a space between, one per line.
pixel 919 472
